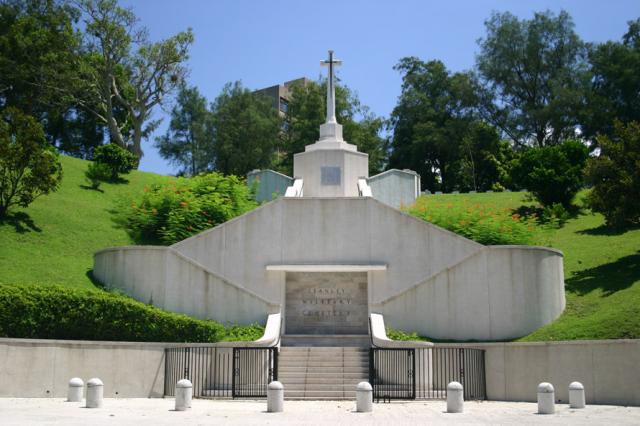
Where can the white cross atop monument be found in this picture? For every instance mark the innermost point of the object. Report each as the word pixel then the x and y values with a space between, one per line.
pixel 330 167
pixel 331 131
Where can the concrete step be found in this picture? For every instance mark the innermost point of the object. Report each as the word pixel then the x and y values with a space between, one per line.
pixel 353 378
pixel 318 387
pixel 335 377
pixel 326 395
pixel 323 370
pixel 307 340
pixel 327 364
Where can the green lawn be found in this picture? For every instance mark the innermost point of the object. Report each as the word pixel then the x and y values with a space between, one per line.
pixel 602 273
pixel 53 241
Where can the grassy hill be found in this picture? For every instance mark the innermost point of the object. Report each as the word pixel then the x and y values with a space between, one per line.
pixel 53 241
pixel 602 272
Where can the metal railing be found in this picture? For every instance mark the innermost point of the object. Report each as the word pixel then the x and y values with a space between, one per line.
pixel 423 373
pixel 221 372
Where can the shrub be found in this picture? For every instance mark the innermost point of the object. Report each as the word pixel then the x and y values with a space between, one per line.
pixel 170 212
pixel 53 312
pixel 29 166
pixel 615 176
pixel 118 160
pixel 96 174
pixel 553 174
pixel 484 223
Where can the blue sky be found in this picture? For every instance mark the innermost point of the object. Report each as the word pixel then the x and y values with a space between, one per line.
pixel 265 43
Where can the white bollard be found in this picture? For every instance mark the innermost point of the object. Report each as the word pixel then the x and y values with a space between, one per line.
pixel 74 394
pixel 364 397
pixel 546 398
pixel 576 395
pixel 275 397
pixel 184 393
pixel 455 398
pixel 95 393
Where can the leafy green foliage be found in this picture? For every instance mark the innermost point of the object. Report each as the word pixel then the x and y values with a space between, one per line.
pixel 170 212
pixel 437 133
pixel 615 176
pixel 56 312
pixel 534 75
pixel 189 140
pixel 97 173
pixel 307 110
pixel 615 88
pixel 117 160
pixel 29 166
pixel 554 174
pixel 483 223
pixel 394 334
pixel 247 130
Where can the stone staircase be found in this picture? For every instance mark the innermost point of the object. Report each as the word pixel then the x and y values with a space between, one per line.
pixel 322 373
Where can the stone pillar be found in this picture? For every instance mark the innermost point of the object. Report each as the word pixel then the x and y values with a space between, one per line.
pixel 74 394
pixel 364 397
pixel 455 398
pixel 546 398
pixel 184 393
pixel 95 393
pixel 275 397
pixel 576 395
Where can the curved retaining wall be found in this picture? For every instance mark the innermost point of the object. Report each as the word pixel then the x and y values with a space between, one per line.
pixel 164 278
pixel 498 293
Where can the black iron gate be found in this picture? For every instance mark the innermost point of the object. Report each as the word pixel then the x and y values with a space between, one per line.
pixel 219 372
pixel 253 370
pixel 392 373
pixel 423 373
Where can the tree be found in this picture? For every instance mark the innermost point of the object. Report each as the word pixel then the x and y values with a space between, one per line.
pixel 117 160
pixel 39 62
pixel 29 166
pixel 615 87
pixel 615 176
pixel 433 116
pixel 188 142
pixel 533 75
pixel 554 174
pixel 246 130
pixel 307 110
pixel 126 72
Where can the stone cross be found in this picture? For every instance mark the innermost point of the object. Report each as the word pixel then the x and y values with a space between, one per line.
pixel 331 92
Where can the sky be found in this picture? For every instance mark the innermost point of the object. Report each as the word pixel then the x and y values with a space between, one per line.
pixel 263 43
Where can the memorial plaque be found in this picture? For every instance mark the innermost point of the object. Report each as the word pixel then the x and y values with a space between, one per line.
pixel 330 175
pixel 326 303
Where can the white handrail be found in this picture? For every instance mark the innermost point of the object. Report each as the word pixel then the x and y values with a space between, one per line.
pixel 295 190
pixel 363 188
pixel 379 337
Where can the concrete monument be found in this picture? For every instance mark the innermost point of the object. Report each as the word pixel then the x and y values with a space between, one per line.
pixel 328 254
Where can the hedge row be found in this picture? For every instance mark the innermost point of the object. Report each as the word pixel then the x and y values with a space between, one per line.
pixel 55 312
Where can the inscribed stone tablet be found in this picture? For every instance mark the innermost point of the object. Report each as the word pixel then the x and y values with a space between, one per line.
pixel 330 175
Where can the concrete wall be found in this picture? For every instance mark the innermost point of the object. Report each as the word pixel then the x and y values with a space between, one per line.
pixel 353 165
pixel 269 183
pixel 166 279
pixel 326 231
pixel 435 282
pixel 42 368
pixel 497 293
pixel 608 369
pixel 396 188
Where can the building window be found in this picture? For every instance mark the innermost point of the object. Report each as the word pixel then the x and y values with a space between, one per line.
pixel 284 105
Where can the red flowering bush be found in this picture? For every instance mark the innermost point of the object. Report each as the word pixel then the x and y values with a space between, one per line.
pixel 483 223
pixel 170 212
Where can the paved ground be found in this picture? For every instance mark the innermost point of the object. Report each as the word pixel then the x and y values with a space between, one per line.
pixel 139 412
